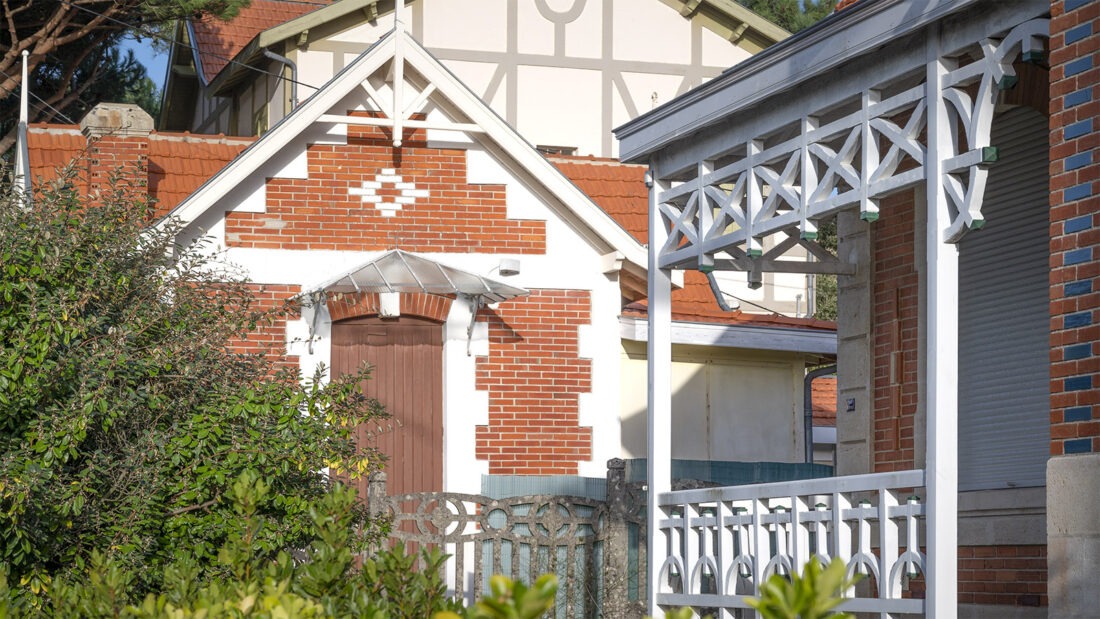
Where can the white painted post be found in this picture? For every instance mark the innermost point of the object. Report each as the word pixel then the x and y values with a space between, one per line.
pixel 397 112
pixel 941 355
pixel 659 375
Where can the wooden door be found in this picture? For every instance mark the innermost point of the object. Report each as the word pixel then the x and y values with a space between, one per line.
pixel 407 377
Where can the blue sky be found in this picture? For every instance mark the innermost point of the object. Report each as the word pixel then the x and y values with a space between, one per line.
pixel 155 60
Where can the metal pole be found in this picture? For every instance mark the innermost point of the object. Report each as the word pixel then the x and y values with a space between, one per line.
pixel 659 374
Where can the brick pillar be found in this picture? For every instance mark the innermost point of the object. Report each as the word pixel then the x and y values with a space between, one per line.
pixel 118 144
pixel 1073 473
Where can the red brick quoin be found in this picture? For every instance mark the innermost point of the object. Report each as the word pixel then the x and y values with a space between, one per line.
pixel 320 212
pixel 534 376
pixel 1074 227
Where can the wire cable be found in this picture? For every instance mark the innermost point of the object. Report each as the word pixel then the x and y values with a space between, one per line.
pixel 150 34
pixel 40 100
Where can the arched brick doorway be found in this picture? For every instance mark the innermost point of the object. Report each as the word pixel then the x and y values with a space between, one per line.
pixel 407 377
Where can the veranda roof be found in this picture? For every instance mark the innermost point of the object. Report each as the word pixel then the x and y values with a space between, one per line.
pixel 400 271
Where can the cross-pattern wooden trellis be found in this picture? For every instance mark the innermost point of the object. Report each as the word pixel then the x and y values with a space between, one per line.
pixel 757 189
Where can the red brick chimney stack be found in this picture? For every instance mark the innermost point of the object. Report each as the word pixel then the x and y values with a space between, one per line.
pixel 118 143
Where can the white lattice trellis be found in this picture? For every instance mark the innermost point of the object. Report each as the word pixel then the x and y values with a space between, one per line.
pixel 768 187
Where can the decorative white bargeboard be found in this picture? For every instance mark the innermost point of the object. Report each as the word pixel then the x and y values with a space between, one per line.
pixel 722 543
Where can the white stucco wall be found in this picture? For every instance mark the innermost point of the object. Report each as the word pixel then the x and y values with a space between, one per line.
pixel 728 404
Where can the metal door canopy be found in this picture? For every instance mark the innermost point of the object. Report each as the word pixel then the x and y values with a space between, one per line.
pixel 400 271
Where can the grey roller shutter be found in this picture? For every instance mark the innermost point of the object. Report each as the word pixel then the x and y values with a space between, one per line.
pixel 1004 375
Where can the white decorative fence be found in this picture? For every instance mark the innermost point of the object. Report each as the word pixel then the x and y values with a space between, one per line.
pixel 722 543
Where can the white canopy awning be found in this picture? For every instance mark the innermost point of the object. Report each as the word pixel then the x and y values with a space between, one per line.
pixel 400 271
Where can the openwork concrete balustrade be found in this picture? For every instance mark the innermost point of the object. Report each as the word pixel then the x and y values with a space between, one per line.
pixel 722 543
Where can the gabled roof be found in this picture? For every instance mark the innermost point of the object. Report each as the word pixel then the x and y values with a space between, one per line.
pixel 267 22
pixel 218 41
pixel 596 225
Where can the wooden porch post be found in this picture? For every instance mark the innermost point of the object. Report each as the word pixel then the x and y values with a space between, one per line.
pixel 942 358
pixel 659 375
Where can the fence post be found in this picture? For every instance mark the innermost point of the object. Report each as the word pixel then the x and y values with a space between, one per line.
pixel 376 491
pixel 615 560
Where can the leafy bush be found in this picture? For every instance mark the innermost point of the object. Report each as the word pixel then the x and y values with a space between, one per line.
pixel 323 580
pixel 126 414
pixel 813 595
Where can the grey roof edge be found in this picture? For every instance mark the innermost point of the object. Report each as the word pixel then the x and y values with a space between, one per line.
pixel 774 82
pixel 277 34
pixel 753 337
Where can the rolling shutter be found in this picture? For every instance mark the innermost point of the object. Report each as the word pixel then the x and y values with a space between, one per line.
pixel 1004 374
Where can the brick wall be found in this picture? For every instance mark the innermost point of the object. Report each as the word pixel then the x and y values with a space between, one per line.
pixel 534 376
pixel 1003 575
pixel 124 157
pixel 1074 227
pixel 442 213
pixel 269 337
pixel 895 310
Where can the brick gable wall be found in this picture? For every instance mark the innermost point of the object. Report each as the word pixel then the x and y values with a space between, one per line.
pixel 322 211
pixel 1074 227
pixel 534 377
pixel 269 338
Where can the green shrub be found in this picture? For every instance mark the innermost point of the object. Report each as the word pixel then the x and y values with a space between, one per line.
pixel 125 412
pixel 323 580
pixel 813 595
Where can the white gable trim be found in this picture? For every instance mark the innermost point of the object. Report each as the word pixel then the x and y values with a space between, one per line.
pixel 450 87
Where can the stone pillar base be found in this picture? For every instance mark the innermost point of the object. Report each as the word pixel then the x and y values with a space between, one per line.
pixel 1073 535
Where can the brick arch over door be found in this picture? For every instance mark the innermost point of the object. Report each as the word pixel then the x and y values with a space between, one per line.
pixel 407 356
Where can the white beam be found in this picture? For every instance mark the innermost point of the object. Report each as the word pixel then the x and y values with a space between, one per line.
pixel 659 379
pixel 389 122
pixel 941 355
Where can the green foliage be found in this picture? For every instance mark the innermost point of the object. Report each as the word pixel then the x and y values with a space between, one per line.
pixel 74 59
pixel 813 595
pixel 320 581
pixel 125 416
pixel 106 75
pixel 791 15
pixel 825 286
pixel 510 599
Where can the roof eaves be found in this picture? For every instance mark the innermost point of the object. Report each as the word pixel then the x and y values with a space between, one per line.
pixel 773 81
pixel 252 52
pixel 195 56
pixel 764 29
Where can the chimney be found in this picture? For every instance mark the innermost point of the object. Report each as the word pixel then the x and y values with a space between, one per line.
pixel 118 144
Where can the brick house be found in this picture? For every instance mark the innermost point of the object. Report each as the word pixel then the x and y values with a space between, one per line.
pixel 498 293
pixel 955 143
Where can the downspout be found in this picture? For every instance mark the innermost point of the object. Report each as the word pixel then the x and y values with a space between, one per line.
pixel 293 75
pixel 808 406
pixel 725 307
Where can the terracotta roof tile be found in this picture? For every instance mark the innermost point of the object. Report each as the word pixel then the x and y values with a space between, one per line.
pixel 178 162
pixel 219 41
pixel 619 189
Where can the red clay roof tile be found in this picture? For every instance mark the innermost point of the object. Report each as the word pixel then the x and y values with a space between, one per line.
pixel 218 41
pixel 178 163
